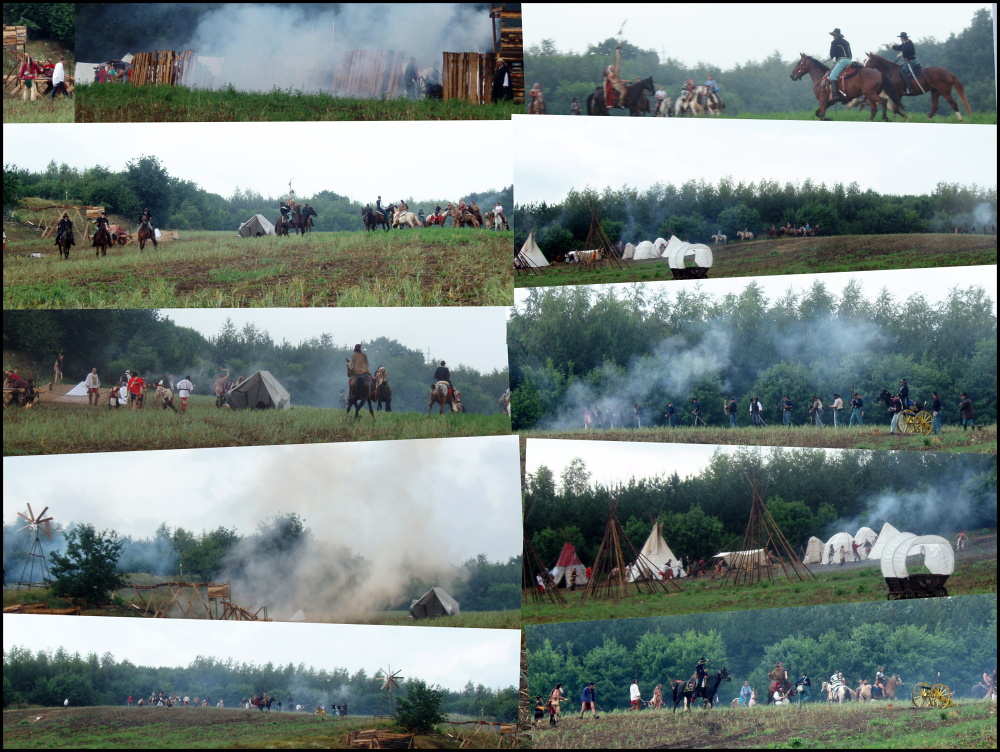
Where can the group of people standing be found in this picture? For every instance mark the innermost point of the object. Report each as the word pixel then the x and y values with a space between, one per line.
pixel 31 72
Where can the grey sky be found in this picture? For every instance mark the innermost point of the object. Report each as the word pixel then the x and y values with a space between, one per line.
pixel 475 336
pixel 547 162
pixel 413 492
pixel 446 656
pixel 727 34
pixel 614 462
pixel 933 284
pixel 361 160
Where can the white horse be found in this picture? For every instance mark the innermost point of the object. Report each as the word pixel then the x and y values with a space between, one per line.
pixel 504 401
pixel 662 104
pixel 719 239
pixel 405 218
pixel 838 694
pixel 744 235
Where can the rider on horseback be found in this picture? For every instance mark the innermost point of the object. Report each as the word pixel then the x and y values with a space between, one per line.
pixel 356 366
pixel 441 373
pixel 64 231
pixel 840 53
pixel 911 68
pixel 701 673
pixel 613 81
pixel 146 220
pixel 102 224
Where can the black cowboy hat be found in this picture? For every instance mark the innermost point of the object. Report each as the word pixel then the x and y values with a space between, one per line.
pixel 836 33
pixel 902 35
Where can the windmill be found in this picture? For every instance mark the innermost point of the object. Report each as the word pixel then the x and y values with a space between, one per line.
pixel 764 548
pixel 37 526
pixel 388 686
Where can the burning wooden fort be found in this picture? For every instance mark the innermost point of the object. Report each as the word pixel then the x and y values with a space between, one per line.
pixel 190 600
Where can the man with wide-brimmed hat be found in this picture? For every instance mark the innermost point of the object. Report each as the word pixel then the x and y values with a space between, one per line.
pixel 911 68
pixel 840 53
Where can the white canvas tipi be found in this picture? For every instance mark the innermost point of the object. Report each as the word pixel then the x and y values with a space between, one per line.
pixel 885 536
pixel 530 256
pixel 814 551
pixel 655 553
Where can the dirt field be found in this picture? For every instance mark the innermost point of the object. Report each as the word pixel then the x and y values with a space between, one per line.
pixel 841 253
pixel 968 725
pixel 107 727
pixel 420 267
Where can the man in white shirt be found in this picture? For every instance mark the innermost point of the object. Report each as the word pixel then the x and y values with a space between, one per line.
pixel 59 79
pixel 837 406
pixel 93 384
pixel 634 696
pixel 184 389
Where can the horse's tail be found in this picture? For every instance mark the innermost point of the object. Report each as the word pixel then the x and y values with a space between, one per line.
pixel 961 93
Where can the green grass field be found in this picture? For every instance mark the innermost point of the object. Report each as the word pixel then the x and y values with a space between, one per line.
pixel 58 428
pixel 841 253
pixel 131 104
pixel 840 113
pixel 110 727
pixel 974 573
pixel 419 267
pixel 951 438
pixel 875 725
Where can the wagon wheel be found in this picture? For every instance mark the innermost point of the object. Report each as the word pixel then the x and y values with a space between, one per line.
pixel 906 422
pixel 922 422
pixel 920 695
pixel 941 696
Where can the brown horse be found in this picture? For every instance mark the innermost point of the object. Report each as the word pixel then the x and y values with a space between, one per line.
pixel 102 241
pixel 382 391
pixel 938 81
pixel 441 395
pixel 64 241
pixel 861 82
pixel 460 218
pixel 891 685
pixel 146 233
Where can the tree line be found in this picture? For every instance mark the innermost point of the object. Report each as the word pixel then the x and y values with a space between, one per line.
pixel 48 678
pixel 808 492
pixel 642 346
pixel 949 640
pixel 44 20
pixel 312 370
pixel 181 204
pixel 697 209
pixel 89 565
pixel 762 85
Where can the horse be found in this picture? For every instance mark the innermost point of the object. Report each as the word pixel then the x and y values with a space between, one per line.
pixel 504 402
pixel 866 82
pixel 698 101
pixel 372 219
pixel 306 219
pixel 864 692
pixel 892 683
pixel 496 220
pixel 102 241
pixel 460 218
pixel 382 390
pixel 839 694
pixel 744 235
pixel 635 101
pixel 359 393
pixel 719 239
pixel 403 218
pixel 938 81
pixel 146 233
pixel 441 397
pixel 688 691
pixel 435 220
pixel 64 241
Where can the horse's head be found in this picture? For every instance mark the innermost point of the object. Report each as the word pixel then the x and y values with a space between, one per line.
pixel 802 67
pixel 724 675
pixel 646 84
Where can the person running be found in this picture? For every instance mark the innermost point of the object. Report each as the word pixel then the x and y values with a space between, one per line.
pixel 93 384
pixel 184 389
pixel 59 79
pixel 136 385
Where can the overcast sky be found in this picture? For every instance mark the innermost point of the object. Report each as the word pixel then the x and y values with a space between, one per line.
pixel 439 655
pixel 475 336
pixel 727 34
pixel 614 462
pixel 354 493
pixel 933 284
pixel 361 160
pixel 888 157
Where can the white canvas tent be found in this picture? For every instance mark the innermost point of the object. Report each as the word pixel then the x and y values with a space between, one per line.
pixel 745 559
pixel 629 253
pixel 814 551
pixel 865 535
pixel 645 250
pixel 257 226
pixel 659 245
pixel 657 554
pixel 677 250
pixel 832 549
pixel 261 390
pixel 567 564
pixel 435 602
pixel 887 534
pixel 80 390
pixel 530 256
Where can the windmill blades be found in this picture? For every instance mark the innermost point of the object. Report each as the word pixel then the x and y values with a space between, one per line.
pixel 41 515
pixel 31 514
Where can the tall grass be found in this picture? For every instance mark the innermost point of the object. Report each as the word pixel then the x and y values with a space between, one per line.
pixel 115 103
pixel 59 429
pixel 421 267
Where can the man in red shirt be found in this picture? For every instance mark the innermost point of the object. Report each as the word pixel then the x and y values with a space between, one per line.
pixel 136 385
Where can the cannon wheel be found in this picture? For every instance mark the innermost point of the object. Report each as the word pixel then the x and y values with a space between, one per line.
pixel 921 422
pixel 940 696
pixel 920 695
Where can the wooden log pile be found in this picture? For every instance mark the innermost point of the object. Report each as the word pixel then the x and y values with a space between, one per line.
pixel 38 608
pixel 160 67
pixel 15 38
pixel 468 76
pixel 370 74
pixel 378 739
